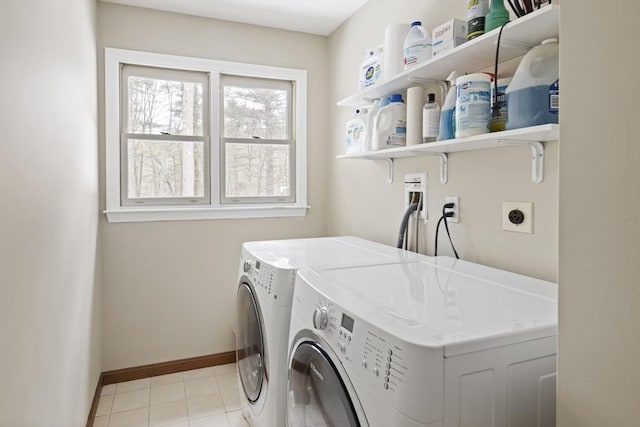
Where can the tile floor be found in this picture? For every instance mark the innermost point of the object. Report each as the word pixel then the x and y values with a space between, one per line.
pixel 207 397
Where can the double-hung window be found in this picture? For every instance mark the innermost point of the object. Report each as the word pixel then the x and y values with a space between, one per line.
pixel 190 138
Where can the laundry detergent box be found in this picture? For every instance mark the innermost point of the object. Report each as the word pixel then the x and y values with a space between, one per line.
pixel 449 35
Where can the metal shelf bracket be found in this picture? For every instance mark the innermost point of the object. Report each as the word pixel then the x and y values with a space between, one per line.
pixel 444 164
pixel 537 157
pixel 390 171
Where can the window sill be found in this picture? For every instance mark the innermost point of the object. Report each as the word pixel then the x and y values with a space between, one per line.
pixel 137 214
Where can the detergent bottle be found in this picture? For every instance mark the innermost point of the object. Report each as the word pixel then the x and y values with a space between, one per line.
pixel 356 132
pixel 533 96
pixel 448 113
pixel 390 124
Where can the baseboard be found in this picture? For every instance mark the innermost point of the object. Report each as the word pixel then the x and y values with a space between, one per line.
pixel 94 404
pixel 155 369
pixel 163 368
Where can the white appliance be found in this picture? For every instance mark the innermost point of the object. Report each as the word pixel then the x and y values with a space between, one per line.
pixel 264 295
pixel 433 343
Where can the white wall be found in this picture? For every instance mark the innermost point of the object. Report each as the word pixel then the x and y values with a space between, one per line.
pixel 599 331
pixel 169 287
pixel 49 288
pixel 362 203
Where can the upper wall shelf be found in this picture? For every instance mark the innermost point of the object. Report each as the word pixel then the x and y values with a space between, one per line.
pixel 518 37
pixel 531 136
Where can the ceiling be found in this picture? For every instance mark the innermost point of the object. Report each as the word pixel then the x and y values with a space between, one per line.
pixel 308 16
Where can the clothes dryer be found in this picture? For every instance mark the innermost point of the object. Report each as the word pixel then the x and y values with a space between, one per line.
pixel 434 343
pixel 264 295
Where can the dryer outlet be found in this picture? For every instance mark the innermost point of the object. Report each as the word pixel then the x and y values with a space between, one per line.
pixel 415 191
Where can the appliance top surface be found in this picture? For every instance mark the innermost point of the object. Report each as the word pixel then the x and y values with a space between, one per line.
pixel 442 301
pixel 327 252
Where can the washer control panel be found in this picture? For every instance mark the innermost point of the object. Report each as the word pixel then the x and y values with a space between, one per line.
pixel 407 375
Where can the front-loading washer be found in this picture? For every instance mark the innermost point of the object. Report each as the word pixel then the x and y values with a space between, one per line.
pixel 265 291
pixel 439 342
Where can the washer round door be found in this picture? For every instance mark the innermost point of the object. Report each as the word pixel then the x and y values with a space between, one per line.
pixel 316 393
pixel 249 344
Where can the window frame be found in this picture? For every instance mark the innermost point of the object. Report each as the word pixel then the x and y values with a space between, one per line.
pixel 289 141
pixel 125 135
pixel 117 212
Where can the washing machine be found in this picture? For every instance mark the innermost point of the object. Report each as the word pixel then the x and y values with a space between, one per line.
pixel 264 295
pixel 438 343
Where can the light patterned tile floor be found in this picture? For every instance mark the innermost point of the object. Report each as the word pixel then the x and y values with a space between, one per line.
pixel 207 397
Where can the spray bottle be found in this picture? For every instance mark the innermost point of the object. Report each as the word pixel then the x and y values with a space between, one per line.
pixel 448 113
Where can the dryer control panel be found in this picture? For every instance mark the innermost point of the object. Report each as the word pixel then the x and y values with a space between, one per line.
pixel 267 279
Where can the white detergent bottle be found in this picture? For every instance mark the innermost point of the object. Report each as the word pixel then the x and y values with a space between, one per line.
pixel 356 132
pixel 533 96
pixel 373 111
pixel 371 68
pixel 390 124
pixel 417 45
pixel 448 113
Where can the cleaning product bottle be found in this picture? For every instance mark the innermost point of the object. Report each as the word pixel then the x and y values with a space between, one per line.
pixel 417 45
pixel 533 96
pixel 430 119
pixel 356 141
pixel 497 16
pixel 448 113
pixel 473 104
pixel 476 14
pixel 371 68
pixel 373 111
pixel 390 124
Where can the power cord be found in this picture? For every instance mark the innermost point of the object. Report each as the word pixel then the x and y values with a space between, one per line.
pixel 443 218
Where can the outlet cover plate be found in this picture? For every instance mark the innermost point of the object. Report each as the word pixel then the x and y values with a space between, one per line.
pixel 526 208
pixel 456 209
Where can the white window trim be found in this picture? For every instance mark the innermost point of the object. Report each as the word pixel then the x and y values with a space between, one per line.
pixel 115 212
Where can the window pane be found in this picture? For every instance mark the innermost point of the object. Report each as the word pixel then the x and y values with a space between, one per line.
pixel 165 169
pixel 257 170
pixel 164 106
pixel 255 112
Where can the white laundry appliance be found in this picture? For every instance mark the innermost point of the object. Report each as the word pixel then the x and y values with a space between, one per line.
pixel 433 343
pixel 264 296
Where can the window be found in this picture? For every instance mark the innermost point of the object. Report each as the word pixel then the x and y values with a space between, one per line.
pixel 190 138
pixel 258 145
pixel 165 139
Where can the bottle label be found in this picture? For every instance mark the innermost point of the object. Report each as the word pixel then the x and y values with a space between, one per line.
pixel 399 135
pixel 417 53
pixel 370 74
pixel 356 136
pixel 554 97
pixel 431 123
pixel 473 106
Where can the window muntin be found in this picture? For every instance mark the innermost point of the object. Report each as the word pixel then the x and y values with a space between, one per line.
pixel 165 145
pixel 257 145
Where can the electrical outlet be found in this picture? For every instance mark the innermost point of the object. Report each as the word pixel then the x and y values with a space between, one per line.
pixel 517 216
pixel 455 209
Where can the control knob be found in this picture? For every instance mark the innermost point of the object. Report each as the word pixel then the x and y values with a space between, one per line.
pixel 320 318
pixel 246 266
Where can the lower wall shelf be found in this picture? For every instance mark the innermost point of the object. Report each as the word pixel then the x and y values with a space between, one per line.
pixel 532 136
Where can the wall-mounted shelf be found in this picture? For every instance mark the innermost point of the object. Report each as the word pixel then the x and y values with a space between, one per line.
pixel 517 38
pixel 531 136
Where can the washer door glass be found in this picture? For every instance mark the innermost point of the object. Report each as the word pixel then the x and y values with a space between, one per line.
pixel 316 393
pixel 249 343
